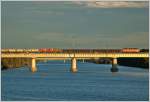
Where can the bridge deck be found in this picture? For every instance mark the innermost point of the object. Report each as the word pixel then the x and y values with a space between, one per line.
pixel 71 55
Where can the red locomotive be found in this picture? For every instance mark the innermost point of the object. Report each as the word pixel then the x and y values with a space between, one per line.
pixel 49 50
pixel 130 50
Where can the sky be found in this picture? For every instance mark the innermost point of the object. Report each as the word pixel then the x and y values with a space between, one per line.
pixel 74 24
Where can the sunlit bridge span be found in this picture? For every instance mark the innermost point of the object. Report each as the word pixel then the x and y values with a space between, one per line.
pixel 73 55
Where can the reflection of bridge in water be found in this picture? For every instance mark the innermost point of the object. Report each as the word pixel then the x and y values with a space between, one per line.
pixel 72 56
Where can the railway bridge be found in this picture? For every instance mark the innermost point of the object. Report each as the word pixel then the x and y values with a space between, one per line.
pixel 73 57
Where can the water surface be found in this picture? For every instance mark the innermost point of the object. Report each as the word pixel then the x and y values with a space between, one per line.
pixel 92 82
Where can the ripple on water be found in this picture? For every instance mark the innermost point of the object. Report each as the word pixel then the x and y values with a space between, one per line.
pixel 92 82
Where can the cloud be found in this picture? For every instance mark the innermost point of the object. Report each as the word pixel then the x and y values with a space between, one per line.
pixel 71 40
pixel 113 4
pixel 59 39
pixel 135 39
pixel 52 36
pixel 58 13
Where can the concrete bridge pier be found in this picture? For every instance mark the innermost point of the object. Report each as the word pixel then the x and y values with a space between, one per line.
pixel 83 61
pixel 73 65
pixel 33 65
pixel 114 65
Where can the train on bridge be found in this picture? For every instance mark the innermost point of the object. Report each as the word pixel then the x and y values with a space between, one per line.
pixel 56 50
pixel 124 50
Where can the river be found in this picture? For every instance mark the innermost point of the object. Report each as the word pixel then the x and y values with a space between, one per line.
pixel 93 82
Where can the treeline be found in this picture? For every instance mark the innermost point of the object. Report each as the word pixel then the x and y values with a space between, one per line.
pixel 134 62
pixel 10 63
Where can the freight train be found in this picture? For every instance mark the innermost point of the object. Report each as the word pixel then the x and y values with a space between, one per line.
pixel 56 50
pixel 41 50
pixel 49 50
pixel 12 50
pixel 124 50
